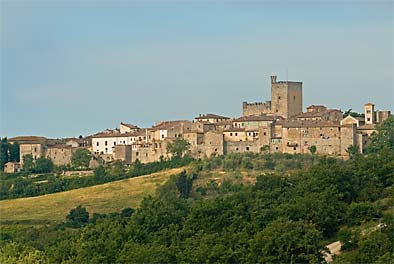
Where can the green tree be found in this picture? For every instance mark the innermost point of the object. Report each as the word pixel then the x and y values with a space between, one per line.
pixel 81 158
pixel 352 150
pixel 77 217
pixel 351 113
pixel 13 152
pixel 99 173
pixel 16 253
pixel 28 163
pixel 285 241
pixel 117 168
pixel 4 155
pixel 43 165
pixel 184 184
pixel 383 138
pixel 265 149
pixel 178 147
pixel 312 149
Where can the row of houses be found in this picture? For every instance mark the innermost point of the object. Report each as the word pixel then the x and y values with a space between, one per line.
pixel 278 125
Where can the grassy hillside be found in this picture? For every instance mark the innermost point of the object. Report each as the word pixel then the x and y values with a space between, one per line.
pixel 104 198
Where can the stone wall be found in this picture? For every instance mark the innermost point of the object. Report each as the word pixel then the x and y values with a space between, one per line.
pixel 348 138
pixel 60 156
pixel 124 153
pixel 213 143
pixel 249 109
pixel 241 146
pixel 327 140
pixel 35 149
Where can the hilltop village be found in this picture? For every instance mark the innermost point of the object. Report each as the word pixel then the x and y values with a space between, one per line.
pixel 278 125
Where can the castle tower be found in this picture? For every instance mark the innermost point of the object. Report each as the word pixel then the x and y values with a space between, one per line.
pixel 369 110
pixel 286 98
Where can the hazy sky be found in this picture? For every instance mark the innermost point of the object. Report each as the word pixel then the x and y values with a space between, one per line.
pixel 71 68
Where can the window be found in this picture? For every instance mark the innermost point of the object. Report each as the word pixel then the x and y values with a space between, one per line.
pixel 106 150
pixel 136 153
pixel 162 136
pixel 368 111
pixel 236 149
pixel 276 148
pixel 368 119
pixel 231 134
pixel 236 134
pixel 265 133
pixel 35 148
pixel 278 97
pixel 97 143
pixel 295 148
pixel 247 148
pixel 106 143
pixel 114 143
pixel 294 98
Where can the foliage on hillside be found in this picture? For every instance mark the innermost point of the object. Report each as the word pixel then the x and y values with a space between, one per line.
pixel 279 219
pixel 19 185
pixel 282 218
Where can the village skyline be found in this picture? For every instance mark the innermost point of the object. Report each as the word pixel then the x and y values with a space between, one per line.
pixel 65 75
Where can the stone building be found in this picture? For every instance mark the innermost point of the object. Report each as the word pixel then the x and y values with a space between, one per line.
pixel 286 100
pixel 320 112
pixel 299 136
pixel 211 118
pixel 124 153
pixel 60 155
pixel 170 129
pixel 30 145
pixel 127 128
pixel 12 167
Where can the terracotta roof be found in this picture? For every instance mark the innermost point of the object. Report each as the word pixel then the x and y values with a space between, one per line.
pixel 204 122
pixel 234 129
pixel 27 139
pixel 225 122
pixel 169 124
pixel 314 106
pixel 129 125
pixel 117 134
pixel 211 116
pixel 255 118
pixel 310 123
pixel 367 127
pixel 317 114
pixel 57 146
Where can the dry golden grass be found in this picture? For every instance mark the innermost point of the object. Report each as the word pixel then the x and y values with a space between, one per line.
pixel 104 198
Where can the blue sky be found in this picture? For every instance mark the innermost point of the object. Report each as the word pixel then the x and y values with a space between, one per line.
pixel 71 68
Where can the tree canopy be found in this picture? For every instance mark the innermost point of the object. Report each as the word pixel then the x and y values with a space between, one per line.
pixel 80 158
pixel 178 147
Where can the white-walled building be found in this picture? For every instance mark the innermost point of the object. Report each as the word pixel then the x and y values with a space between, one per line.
pixel 104 143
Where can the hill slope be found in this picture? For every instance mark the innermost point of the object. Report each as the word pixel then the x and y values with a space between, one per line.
pixel 104 198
